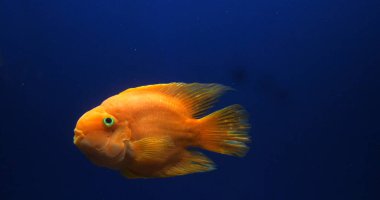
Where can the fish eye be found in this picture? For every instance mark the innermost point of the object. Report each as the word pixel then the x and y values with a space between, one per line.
pixel 108 121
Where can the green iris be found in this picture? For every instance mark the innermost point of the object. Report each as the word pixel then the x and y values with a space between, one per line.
pixel 108 121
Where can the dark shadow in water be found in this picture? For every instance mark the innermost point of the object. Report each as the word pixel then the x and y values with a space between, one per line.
pixel 239 75
pixel 261 83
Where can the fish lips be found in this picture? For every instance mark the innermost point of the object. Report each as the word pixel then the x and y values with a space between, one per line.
pixel 78 136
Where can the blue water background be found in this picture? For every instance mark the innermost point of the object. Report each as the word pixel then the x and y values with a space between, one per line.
pixel 306 71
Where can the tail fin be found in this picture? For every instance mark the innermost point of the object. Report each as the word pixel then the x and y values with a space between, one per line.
pixel 225 131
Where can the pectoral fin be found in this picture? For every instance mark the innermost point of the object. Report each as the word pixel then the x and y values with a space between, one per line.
pixel 152 149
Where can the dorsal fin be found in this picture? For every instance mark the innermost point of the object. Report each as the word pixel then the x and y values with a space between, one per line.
pixel 196 97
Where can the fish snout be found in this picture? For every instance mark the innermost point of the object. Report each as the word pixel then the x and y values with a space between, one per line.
pixel 78 136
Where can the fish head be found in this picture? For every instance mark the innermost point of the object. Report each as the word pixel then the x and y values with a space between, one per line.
pixel 102 137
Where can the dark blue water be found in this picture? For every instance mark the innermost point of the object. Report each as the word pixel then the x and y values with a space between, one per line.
pixel 306 71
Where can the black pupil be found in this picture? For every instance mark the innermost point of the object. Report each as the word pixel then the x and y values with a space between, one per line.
pixel 108 120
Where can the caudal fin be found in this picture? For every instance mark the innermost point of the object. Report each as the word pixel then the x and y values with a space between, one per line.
pixel 225 131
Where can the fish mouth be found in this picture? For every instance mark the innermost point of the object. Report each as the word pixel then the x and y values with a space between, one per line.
pixel 78 136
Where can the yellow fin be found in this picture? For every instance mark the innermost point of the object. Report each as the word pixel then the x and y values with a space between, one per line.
pixel 225 131
pixel 152 149
pixel 196 97
pixel 191 162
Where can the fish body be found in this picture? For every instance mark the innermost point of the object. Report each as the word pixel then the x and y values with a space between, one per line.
pixel 147 131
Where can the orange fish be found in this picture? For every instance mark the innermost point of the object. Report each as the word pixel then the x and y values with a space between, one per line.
pixel 151 131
